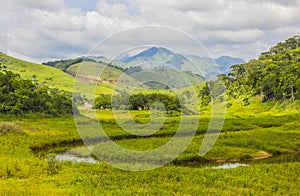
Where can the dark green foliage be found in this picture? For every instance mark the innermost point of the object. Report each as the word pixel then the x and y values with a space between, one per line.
pixel 146 101
pixel 64 64
pixel 103 102
pixel 156 85
pixel 274 76
pixel 138 101
pixel 114 66
pixel 204 95
pixel 19 96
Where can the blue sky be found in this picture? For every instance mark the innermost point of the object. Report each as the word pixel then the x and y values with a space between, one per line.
pixel 84 5
pixel 59 29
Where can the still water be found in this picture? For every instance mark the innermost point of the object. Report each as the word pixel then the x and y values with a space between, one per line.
pixel 82 154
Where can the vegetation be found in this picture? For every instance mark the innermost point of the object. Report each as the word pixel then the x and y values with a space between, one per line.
pixel 138 101
pixel 91 70
pixel 64 64
pixel 274 76
pixel 262 120
pixel 23 172
pixel 19 96
pixel 49 76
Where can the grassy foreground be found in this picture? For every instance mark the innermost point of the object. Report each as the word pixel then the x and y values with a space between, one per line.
pixel 261 132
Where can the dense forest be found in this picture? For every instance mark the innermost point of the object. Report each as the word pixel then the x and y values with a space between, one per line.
pixel 274 76
pixel 19 96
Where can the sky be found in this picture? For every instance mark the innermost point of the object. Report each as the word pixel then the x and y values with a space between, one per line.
pixel 45 30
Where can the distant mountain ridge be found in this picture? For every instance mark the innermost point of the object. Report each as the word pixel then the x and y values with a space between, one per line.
pixel 154 57
pixel 180 61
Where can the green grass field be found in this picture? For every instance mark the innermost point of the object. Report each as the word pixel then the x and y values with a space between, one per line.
pixel 26 166
pixel 250 134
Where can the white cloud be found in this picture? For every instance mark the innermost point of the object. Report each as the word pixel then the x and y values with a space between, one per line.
pixel 32 4
pixel 53 29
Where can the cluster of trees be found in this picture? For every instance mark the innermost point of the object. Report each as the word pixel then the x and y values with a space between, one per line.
pixel 275 75
pixel 138 101
pixel 114 66
pixel 145 101
pixel 103 101
pixel 65 64
pixel 19 96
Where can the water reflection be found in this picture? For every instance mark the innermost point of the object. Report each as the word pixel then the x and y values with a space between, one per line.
pixel 77 154
pixel 82 154
pixel 75 158
pixel 228 166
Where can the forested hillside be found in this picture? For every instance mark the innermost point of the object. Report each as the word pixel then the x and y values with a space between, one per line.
pixel 274 75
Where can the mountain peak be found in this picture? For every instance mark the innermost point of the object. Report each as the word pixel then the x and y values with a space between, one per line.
pixel 150 52
pixel 164 50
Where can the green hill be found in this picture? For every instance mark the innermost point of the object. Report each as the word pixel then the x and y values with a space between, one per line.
pixel 49 76
pixel 89 69
pixel 167 78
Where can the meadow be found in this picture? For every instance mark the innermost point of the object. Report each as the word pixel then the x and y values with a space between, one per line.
pixel 28 165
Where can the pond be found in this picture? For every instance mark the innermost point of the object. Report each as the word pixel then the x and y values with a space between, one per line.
pixel 82 154
pixel 76 154
pixel 228 166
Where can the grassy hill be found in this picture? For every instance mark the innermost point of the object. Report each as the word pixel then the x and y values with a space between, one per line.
pixel 179 79
pixel 56 78
pixel 90 70
pixel 170 77
pixel 49 76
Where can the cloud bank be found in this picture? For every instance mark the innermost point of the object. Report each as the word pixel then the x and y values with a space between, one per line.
pixel 56 29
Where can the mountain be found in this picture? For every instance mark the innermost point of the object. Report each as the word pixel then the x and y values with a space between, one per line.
pixel 149 54
pixel 156 56
pixel 224 63
pixel 228 61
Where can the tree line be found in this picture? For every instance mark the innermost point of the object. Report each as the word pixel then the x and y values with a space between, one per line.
pixel 21 96
pixel 138 102
pixel 274 76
